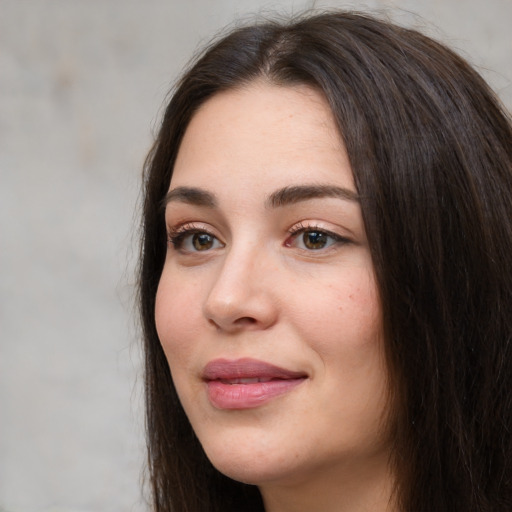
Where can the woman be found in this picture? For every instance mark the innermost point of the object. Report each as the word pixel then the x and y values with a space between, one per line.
pixel 325 277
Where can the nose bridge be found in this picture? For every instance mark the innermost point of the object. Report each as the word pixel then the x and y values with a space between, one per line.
pixel 241 294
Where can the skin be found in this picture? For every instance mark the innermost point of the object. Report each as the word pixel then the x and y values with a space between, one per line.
pixel 253 285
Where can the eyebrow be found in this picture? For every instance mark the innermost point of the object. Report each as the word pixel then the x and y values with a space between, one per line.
pixel 297 193
pixel 190 195
pixel 282 197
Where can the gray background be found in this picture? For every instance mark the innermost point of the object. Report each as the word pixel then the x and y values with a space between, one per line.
pixel 82 85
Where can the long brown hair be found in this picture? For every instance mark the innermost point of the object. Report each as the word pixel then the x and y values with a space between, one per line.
pixel 431 153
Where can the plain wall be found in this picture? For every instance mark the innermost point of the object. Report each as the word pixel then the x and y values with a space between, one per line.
pixel 82 84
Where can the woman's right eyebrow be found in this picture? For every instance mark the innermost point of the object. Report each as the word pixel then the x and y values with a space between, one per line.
pixel 190 195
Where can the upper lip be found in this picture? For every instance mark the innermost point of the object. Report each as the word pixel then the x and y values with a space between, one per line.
pixel 246 368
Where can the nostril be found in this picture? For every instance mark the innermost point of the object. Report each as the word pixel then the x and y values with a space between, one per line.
pixel 239 323
pixel 214 323
pixel 246 320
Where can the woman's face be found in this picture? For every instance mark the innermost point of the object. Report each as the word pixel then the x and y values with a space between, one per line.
pixel 267 307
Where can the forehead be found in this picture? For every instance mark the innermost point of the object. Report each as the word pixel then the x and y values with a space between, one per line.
pixel 263 133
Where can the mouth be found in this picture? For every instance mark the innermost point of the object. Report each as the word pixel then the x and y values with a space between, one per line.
pixel 247 383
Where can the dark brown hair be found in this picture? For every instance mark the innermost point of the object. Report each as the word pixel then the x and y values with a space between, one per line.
pixel 431 153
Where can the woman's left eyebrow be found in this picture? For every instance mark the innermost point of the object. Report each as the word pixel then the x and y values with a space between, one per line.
pixel 297 193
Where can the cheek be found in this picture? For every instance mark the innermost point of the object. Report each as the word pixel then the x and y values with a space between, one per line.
pixel 344 314
pixel 176 319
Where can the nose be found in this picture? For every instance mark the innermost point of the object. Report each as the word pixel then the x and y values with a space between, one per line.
pixel 241 296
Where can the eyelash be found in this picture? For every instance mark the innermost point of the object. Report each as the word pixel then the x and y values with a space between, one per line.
pixel 176 236
pixel 299 229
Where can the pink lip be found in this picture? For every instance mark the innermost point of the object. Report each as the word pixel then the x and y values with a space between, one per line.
pixel 229 388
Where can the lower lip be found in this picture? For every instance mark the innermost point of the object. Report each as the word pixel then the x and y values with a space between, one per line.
pixel 248 396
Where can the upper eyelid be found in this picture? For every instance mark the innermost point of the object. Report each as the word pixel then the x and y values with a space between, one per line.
pixel 183 227
pixel 318 226
pixel 176 216
pixel 179 227
pixel 177 208
pixel 305 226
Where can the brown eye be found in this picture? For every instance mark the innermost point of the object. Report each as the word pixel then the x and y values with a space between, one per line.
pixel 202 241
pixel 314 239
pixel 193 240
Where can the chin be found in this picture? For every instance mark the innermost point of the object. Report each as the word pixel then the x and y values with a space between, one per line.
pixel 259 460
pixel 253 465
pixel 245 473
